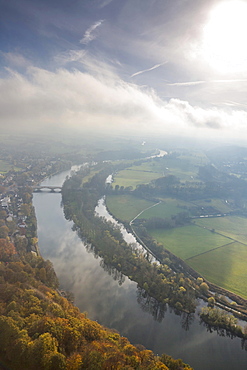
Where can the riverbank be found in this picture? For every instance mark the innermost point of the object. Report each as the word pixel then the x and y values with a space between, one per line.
pixel 223 298
pixel 116 302
pixel 184 290
pixel 41 329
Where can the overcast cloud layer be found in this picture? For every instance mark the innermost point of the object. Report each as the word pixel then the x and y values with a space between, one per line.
pixel 115 65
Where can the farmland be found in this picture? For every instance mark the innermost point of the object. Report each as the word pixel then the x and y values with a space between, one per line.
pixel 126 207
pixel 225 266
pixel 132 177
pixel 233 227
pixel 184 167
pixel 222 206
pixel 167 208
pixel 216 247
pixel 188 241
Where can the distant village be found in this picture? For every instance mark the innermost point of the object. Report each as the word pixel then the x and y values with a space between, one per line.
pixel 17 216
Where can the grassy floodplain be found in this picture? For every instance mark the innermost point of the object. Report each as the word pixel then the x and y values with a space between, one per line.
pixel 215 247
pixel 132 177
pixel 185 168
pixel 126 207
pixel 225 267
pixel 220 256
pixel 221 205
pixel 167 208
pixel 231 226
pixel 188 241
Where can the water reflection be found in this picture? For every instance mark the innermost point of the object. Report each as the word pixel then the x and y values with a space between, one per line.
pixel 150 305
pixel 116 306
pixel 101 211
pixel 116 275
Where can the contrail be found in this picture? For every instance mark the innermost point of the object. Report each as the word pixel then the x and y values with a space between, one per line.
pixel 149 69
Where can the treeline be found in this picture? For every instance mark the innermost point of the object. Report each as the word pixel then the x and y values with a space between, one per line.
pixel 107 241
pixel 157 280
pixel 211 183
pixel 40 329
pixel 222 322
pixel 180 219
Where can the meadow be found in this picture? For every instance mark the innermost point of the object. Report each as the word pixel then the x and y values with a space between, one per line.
pixel 185 168
pixel 215 247
pixel 188 241
pixel 167 208
pixel 231 226
pixel 225 267
pixel 221 205
pixel 132 177
pixel 214 254
pixel 126 207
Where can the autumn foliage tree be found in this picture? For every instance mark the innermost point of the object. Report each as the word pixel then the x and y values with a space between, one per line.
pixel 42 330
pixel 7 250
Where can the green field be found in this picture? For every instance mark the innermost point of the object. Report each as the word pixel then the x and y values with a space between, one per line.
pixel 131 177
pixel 167 208
pixel 218 258
pixel 126 207
pixel 185 168
pixel 188 241
pixel 232 226
pixel 219 204
pixel 215 247
pixel 225 267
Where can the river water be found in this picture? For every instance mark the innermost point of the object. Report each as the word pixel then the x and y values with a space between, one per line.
pixel 120 306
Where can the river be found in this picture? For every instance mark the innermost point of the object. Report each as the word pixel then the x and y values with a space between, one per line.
pixel 118 305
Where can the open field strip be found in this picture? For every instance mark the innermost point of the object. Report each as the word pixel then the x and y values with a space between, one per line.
pixel 218 204
pixel 133 178
pixel 89 176
pixel 181 168
pixel 149 166
pixel 139 214
pixel 167 208
pixel 155 168
pixel 125 207
pixel 226 267
pixel 189 176
pixel 188 241
pixel 234 227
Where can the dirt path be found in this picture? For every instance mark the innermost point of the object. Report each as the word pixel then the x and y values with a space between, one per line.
pixel 153 205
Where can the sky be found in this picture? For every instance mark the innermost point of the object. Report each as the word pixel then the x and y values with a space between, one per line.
pixel 134 66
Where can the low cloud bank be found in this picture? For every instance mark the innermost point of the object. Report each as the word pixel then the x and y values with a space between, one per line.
pixel 80 100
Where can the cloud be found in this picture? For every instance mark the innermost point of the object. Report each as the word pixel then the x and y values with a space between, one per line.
pixel 89 36
pixel 235 104
pixel 196 116
pixel 77 100
pixel 149 69
pixel 105 3
pixel 70 56
pixel 16 60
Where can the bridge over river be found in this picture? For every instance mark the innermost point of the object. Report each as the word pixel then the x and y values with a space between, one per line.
pixel 53 189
